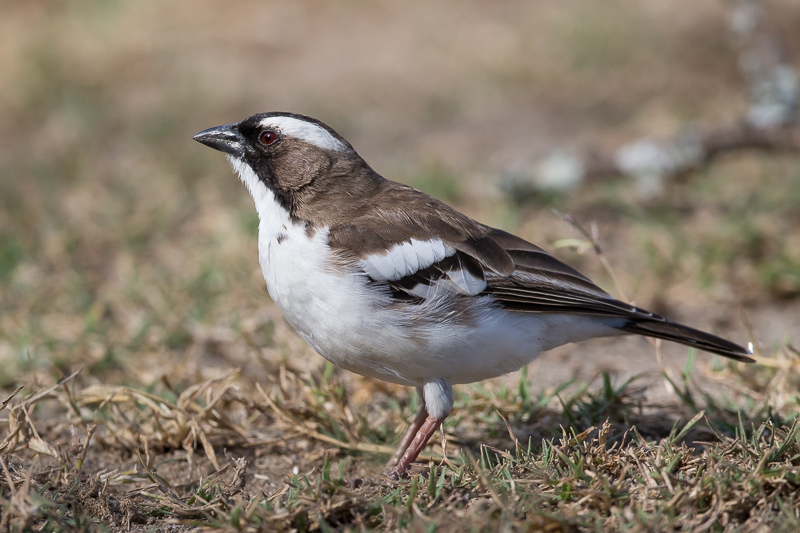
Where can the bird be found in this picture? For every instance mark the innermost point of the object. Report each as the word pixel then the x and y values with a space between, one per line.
pixel 388 282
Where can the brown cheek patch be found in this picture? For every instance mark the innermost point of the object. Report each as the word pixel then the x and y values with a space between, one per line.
pixel 298 165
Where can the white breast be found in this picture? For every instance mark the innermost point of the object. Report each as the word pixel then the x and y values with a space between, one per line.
pixel 332 309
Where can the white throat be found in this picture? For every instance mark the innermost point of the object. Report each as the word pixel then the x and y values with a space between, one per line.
pixel 263 197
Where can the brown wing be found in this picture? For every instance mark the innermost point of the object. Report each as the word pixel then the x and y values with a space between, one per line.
pixel 542 283
pixel 400 213
pixel 518 275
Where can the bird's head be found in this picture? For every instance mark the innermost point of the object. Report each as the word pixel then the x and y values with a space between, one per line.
pixel 283 151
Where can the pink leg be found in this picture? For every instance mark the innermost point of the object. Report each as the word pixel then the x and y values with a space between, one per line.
pixel 409 435
pixel 420 440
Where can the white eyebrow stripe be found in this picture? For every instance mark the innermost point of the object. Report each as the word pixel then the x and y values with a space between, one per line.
pixel 305 131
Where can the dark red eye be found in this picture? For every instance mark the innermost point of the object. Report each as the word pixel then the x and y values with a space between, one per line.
pixel 268 137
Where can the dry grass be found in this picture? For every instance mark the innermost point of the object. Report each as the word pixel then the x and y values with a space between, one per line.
pixel 77 456
pixel 161 390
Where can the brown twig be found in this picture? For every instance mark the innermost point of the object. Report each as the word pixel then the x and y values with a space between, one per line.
pixel 41 394
pixel 771 123
pixel 10 397
pixel 85 448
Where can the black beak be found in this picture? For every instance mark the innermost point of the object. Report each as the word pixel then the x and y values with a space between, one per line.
pixel 223 138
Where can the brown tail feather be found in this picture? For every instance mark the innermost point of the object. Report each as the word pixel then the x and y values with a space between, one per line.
pixel 672 331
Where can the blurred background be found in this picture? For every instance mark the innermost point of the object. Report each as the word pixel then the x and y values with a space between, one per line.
pixel 129 249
